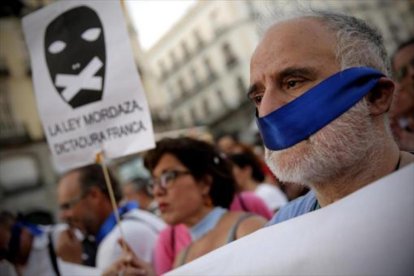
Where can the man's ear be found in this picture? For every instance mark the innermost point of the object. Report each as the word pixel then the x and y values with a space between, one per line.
pixel 380 98
pixel 95 193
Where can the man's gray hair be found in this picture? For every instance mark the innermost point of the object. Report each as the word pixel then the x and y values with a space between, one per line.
pixel 358 44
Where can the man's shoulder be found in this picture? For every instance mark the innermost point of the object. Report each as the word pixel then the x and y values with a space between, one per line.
pixel 297 207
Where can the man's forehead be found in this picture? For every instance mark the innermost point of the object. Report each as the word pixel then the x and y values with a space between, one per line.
pixel 69 183
pixel 295 41
pixel 298 31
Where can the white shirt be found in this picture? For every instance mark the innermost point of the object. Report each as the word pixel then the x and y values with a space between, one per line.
pixel 6 268
pixel 140 229
pixel 272 196
pixel 39 262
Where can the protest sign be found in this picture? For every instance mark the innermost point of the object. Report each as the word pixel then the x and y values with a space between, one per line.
pixel 88 91
pixel 369 232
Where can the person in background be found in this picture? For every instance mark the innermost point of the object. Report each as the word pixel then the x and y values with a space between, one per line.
pixel 402 109
pixel 137 190
pixel 249 176
pixel 175 238
pixel 227 143
pixel 339 64
pixel 194 186
pixel 27 248
pixel 85 204
pixel 6 223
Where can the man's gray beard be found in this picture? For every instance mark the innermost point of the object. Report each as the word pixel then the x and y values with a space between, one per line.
pixel 335 149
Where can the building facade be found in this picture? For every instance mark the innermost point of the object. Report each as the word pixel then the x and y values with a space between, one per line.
pixel 201 65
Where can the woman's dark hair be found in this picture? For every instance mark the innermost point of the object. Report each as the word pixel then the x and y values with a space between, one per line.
pixel 249 159
pixel 202 159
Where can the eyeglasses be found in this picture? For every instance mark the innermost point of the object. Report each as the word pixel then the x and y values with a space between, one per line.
pixel 165 179
pixel 71 203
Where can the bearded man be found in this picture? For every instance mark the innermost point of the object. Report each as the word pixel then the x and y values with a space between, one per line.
pixel 322 92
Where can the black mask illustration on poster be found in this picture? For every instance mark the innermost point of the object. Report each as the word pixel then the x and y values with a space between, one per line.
pixel 75 56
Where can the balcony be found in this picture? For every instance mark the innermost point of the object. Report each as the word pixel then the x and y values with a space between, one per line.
pixel 13 133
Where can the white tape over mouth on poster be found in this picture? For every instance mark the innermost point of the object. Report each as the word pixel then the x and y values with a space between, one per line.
pixel 88 91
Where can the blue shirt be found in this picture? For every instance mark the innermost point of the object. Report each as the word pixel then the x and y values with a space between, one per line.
pixel 295 208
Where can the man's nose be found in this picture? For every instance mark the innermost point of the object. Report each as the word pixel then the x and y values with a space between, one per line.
pixel 270 102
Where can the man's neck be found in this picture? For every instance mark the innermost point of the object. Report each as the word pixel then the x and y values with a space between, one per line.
pixel 105 211
pixel 358 176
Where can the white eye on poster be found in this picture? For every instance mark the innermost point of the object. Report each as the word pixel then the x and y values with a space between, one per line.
pixel 88 90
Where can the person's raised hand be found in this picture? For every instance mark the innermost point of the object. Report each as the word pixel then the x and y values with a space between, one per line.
pixel 129 264
pixel 69 247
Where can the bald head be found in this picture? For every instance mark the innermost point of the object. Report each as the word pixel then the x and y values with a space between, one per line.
pixel 292 57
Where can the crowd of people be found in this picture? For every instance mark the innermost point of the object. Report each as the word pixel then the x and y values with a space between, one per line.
pixel 320 146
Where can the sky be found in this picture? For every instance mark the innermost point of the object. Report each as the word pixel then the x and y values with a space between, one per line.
pixel 153 18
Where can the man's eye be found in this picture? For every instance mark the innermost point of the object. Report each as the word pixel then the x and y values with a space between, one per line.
pixel 257 99
pixel 292 83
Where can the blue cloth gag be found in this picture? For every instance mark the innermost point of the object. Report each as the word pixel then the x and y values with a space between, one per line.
pixel 323 103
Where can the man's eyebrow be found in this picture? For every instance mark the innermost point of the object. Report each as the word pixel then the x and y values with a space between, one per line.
pixel 297 71
pixel 251 90
pixel 289 71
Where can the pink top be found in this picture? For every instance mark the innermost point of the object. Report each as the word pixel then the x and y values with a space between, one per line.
pixel 173 239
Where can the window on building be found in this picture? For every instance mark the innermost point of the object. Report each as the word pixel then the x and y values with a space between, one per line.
pixel 173 58
pixel 171 93
pixel 6 117
pixel 214 22
pixel 181 87
pixel 198 39
pixel 180 120
pixel 28 69
pixel 4 71
pixel 241 87
pixel 209 69
pixel 186 51
pixel 206 107
pixel 11 129
pixel 229 56
pixel 194 77
pixel 28 176
pixel 193 116
pixel 162 68
pixel 221 97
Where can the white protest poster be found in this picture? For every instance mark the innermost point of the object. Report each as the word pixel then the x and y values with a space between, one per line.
pixel 88 91
pixel 369 232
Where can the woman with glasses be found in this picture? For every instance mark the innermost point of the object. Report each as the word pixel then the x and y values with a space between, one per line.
pixel 194 186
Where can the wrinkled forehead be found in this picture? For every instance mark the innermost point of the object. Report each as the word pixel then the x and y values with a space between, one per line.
pixel 295 39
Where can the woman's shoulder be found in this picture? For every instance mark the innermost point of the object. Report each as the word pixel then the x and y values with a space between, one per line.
pixel 242 223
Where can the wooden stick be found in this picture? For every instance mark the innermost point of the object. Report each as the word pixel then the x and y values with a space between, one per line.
pixel 100 159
